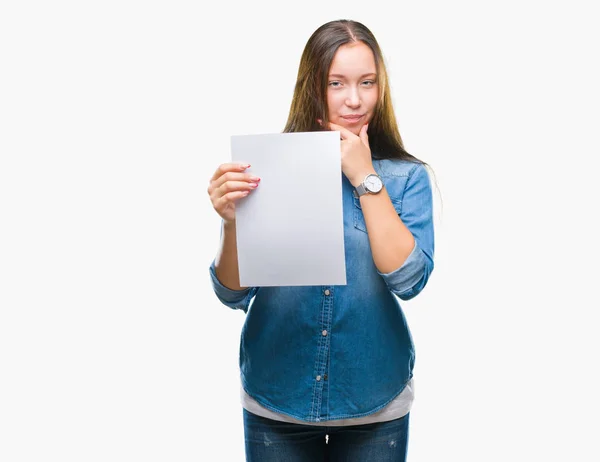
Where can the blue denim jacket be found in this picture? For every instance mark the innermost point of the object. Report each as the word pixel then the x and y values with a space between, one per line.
pixel 319 353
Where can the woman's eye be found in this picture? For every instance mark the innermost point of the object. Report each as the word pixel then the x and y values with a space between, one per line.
pixel 367 83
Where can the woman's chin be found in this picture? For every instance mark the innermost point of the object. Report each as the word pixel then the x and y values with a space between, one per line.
pixel 354 128
pixel 350 128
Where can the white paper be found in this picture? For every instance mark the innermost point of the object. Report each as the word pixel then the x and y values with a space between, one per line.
pixel 290 230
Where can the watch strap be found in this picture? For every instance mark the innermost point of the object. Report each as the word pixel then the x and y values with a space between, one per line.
pixel 360 190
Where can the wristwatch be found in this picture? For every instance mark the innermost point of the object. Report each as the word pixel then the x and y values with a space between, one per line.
pixel 372 184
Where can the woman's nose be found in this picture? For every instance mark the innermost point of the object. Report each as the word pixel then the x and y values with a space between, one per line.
pixel 353 99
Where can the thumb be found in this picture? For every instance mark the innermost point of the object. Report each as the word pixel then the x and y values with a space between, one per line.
pixel 363 134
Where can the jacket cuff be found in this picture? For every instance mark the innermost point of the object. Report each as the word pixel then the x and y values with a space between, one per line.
pixel 408 275
pixel 235 299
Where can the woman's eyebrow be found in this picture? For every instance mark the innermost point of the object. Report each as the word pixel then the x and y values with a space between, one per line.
pixel 342 76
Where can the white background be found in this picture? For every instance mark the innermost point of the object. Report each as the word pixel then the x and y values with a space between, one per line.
pixel 113 117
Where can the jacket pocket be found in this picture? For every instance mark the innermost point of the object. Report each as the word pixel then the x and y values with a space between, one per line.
pixel 359 219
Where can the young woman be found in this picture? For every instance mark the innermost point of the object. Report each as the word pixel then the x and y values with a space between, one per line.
pixel 327 371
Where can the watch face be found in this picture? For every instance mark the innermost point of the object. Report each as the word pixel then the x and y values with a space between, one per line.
pixel 373 183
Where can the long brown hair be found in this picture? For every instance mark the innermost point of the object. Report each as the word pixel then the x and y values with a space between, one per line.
pixel 309 102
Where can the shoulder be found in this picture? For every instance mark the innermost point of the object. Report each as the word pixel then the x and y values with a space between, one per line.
pixel 401 170
pixel 402 176
pixel 396 167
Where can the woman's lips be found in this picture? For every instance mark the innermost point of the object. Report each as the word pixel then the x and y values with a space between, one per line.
pixel 352 120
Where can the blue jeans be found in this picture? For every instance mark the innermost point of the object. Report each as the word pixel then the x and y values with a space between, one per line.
pixel 270 440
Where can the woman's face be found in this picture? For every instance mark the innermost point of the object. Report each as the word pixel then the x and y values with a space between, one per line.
pixel 352 88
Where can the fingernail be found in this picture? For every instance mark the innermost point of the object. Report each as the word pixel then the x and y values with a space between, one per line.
pixel 244 165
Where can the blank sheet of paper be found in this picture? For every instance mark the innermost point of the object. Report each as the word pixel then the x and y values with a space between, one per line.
pixel 290 230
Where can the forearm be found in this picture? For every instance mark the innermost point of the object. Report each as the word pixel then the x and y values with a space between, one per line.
pixel 391 241
pixel 226 261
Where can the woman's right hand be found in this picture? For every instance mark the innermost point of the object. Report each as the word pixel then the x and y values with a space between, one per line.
pixel 228 184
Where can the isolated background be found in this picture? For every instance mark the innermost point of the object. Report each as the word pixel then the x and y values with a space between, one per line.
pixel 113 117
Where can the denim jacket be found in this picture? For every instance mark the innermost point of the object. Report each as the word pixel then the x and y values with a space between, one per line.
pixel 319 353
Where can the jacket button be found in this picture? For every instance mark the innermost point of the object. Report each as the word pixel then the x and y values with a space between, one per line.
pixel 324 333
pixel 327 292
pixel 318 378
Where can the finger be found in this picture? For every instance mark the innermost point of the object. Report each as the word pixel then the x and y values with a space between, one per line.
pixel 231 186
pixel 346 134
pixel 222 201
pixel 363 135
pixel 229 167
pixel 232 176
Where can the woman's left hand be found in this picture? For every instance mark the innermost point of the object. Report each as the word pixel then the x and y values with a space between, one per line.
pixel 356 153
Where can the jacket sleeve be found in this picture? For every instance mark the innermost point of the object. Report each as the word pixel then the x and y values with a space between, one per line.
pixel 234 299
pixel 417 215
